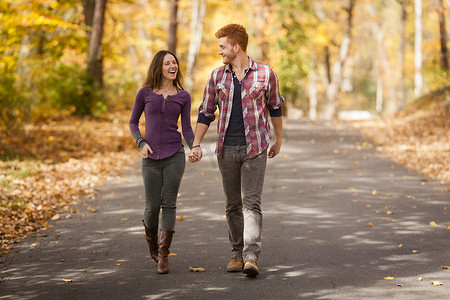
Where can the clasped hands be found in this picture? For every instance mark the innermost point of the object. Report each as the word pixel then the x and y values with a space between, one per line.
pixel 195 155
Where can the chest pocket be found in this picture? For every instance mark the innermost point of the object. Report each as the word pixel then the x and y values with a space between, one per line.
pixel 222 92
pixel 257 90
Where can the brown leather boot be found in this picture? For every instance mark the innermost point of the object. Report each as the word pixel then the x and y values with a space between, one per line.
pixel 165 239
pixel 152 239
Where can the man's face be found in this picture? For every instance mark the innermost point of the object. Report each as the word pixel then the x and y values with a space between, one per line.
pixel 227 50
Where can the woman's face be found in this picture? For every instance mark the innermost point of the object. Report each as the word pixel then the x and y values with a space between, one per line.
pixel 170 67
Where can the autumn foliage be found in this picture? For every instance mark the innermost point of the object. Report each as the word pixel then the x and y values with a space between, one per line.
pixel 417 137
pixel 56 164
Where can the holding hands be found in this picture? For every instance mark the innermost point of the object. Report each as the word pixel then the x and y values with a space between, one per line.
pixel 196 154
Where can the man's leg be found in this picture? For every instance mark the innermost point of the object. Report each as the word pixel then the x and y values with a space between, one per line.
pixel 230 168
pixel 253 171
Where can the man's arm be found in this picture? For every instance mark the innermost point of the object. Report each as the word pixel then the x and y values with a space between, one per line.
pixel 196 151
pixel 277 123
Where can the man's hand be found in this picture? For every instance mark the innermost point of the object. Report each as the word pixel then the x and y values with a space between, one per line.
pixel 274 150
pixel 145 150
pixel 195 155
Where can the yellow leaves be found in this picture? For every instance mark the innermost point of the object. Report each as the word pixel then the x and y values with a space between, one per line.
pixel 92 210
pixel 370 224
pixel 67 280
pixel 180 218
pixel 192 269
pixel 436 283
pixel 172 254
pixel 433 223
pixel 445 267
pixel 56 217
pixel 388 278
pixel 71 157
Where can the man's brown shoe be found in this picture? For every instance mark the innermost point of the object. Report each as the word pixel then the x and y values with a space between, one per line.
pixel 251 269
pixel 235 264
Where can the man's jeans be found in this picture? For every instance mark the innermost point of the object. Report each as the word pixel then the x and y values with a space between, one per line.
pixel 243 180
pixel 162 180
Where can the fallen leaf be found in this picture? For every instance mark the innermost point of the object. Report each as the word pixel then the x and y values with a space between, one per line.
pixel 92 209
pixel 370 224
pixel 433 223
pixel 399 285
pixel 124 219
pixel 389 212
pixel 436 283
pixel 67 280
pixel 414 251
pixel 180 218
pixel 192 269
pixel 388 278
pixel 56 217
pixel 446 267
pixel 400 246
pixel 420 279
pixel 374 192
pixel 117 264
pixel 173 254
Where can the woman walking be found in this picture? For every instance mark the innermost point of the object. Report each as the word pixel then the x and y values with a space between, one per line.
pixel 162 100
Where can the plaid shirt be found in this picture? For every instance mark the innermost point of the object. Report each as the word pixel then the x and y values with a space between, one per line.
pixel 260 93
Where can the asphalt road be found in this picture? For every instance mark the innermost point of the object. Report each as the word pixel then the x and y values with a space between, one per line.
pixel 339 218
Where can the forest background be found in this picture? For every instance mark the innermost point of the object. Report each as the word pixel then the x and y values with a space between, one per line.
pixel 70 71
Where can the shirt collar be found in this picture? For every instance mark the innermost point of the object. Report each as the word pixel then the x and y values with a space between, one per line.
pixel 251 64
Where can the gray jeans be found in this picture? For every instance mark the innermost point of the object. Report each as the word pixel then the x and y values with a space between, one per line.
pixel 162 180
pixel 243 180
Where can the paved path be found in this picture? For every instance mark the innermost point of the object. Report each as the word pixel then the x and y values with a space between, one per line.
pixel 321 194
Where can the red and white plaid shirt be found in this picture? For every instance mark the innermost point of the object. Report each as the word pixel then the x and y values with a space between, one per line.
pixel 260 93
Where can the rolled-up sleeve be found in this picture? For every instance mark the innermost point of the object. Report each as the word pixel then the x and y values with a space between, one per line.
pixel 274 98
pixel 209 105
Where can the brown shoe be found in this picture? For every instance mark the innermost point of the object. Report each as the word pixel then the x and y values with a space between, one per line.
pixel 152 239
pixel 251 269
pixel 165 239
pixel 235 264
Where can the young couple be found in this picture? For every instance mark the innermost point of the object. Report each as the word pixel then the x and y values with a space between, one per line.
pixel 246 93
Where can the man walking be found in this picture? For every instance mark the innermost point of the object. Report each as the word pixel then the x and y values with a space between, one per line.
pixel 246 92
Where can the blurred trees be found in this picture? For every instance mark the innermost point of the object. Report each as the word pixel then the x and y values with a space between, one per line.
pixel 47 51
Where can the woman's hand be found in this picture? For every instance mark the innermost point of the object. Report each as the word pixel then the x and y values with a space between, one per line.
pixel 195 155
pixel 145 150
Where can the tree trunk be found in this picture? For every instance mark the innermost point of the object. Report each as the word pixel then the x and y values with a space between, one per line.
pixel 88 13
pixel 442 30
pixel 95 58
pixel 384 74
pixel 172 38
pixel 332 90
pixel 198 17
pixel 260 12
pixel 418 79
pixel 312 91
pixel 401 50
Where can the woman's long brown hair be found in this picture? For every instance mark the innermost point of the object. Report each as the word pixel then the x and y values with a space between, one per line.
pixel 154 74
